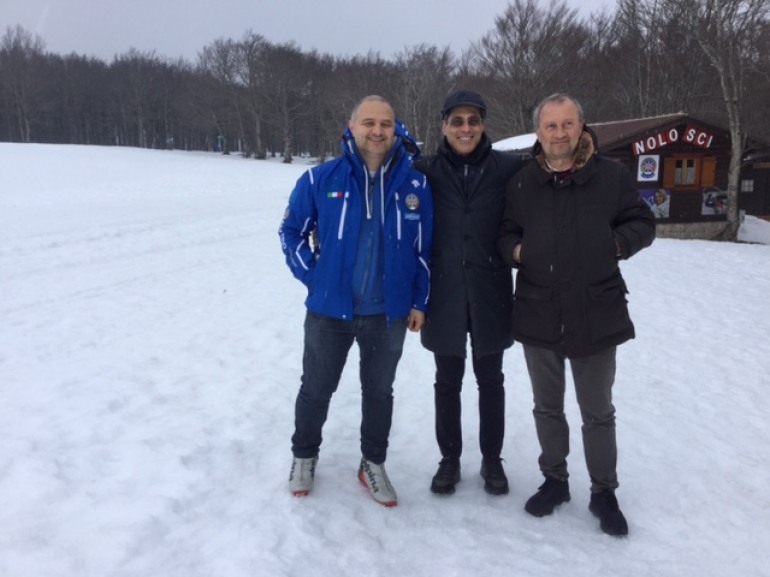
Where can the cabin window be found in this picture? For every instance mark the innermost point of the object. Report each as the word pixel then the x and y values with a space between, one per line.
pixel 747 185
pixel 685 171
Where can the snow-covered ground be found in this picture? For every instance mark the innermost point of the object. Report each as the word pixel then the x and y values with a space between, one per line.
pixel 150 349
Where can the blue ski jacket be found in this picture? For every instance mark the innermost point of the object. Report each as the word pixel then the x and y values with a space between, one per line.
pixel 320 229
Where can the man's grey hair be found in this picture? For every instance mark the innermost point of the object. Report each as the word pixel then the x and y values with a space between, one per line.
pixel 370 98
pixel 558 98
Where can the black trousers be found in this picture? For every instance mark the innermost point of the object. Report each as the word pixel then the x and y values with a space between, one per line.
pixel 488 370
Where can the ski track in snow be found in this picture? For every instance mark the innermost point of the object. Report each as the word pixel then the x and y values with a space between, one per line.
pixel 150 354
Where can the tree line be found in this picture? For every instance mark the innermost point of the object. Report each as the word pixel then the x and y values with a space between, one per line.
pixel 709 58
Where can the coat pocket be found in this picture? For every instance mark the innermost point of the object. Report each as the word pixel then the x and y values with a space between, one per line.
pixel 535 316
pixel 607 311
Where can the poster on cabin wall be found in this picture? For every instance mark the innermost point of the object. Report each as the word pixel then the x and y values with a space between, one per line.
pixel 714 201
pixel 649 168
pixel 659 200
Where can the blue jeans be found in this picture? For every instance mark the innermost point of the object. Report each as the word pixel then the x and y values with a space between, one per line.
pixel 327 343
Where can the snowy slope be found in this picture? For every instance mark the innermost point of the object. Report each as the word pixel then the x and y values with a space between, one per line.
pixel 150 348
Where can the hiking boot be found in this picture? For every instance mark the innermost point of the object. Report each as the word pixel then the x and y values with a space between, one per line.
pixel 374 478
pixel 605 506
pixel 302 475
pixel 495 481
pixel 447 476
pixel 549 495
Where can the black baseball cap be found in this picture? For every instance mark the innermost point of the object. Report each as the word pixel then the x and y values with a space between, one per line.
pixel 463 98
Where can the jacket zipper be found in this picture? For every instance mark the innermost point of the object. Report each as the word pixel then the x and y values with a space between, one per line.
pixel 342 217
pixel 398 219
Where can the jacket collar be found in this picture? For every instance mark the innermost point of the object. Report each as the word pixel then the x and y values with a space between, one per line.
pixel 587 150
pixel 397 162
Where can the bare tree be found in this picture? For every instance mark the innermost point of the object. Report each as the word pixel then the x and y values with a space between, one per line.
pixel 319 134
pixel 729 32
pixel 222 97
pixel 78 110
pixel 286 89
pixel 626 51
pixel 252 71
pixel 425 75
pixel 639 62
pixel 649 57
pixel 755 113
pixel 531 52
pixel 21 56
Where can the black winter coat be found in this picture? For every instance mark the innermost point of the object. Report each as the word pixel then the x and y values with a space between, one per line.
pixel 570 295
pixel 471 286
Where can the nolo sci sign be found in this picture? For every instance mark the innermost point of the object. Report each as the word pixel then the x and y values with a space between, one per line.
pixel 690 135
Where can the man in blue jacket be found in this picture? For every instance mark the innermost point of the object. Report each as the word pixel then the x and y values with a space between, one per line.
pixel 357 232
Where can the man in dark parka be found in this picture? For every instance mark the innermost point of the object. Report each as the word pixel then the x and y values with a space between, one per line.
pixel 471 286
pixel 571 215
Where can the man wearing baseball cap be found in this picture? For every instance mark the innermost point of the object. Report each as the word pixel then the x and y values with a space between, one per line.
pixel 471 286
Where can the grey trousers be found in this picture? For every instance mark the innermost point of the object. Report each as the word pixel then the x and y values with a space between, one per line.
pixel 593 377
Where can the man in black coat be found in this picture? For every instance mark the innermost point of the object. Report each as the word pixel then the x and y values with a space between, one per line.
pixel 471 286
pixel 570 216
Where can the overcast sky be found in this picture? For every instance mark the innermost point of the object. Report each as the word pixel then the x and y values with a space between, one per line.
pixel 181 28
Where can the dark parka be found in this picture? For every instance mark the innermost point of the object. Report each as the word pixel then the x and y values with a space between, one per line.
pixel 570 296
pixel 471 286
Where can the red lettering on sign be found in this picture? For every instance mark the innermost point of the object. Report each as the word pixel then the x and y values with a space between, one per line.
pixel 660 140
pixel 673 135
pixel 697 137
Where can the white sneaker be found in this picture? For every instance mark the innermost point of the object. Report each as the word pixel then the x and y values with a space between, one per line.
pixel 302 476
pixel 374 478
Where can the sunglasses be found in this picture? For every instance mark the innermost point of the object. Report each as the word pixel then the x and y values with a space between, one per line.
pixel 459 121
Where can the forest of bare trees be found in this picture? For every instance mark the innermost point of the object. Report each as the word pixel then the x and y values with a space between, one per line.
pixel 709 58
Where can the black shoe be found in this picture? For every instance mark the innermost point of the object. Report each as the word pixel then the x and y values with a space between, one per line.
pixel 549 495
pixel 495 481
pixel 447 476
pixel 605 506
